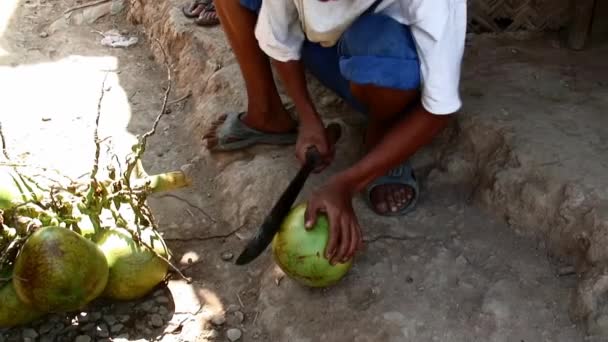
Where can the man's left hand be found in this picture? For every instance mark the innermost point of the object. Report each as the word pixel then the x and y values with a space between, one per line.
pixel 335 200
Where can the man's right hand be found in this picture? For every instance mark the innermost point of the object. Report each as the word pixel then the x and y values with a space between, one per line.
pixel 311 129
pixel 312 133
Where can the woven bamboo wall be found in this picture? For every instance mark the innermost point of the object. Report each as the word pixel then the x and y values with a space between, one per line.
pixel 517 15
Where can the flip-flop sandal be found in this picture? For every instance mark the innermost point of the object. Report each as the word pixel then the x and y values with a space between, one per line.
pixel 402 174
pixel 195 8
pixel 233 134
pixel 208 16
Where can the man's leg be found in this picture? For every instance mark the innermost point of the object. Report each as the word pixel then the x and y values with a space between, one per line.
pixel 385 105
pixel 384 76
pixel 265 111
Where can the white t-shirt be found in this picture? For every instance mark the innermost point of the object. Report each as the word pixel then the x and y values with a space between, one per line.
pixel 438 27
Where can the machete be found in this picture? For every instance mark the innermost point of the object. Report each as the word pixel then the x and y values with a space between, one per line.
pixel 273 221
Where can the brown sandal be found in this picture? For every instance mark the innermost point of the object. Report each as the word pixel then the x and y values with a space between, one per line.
pixel 195 8
pixel 208 16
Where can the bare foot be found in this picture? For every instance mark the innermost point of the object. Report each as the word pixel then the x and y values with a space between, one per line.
pixel 391 197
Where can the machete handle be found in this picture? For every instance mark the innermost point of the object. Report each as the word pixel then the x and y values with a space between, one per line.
pixel 333 131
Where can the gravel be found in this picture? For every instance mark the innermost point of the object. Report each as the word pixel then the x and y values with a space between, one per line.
pixel 83 338
pixel 29 333
pixel 156 321
pixel 162 299
pixel 234 334
pixel 218 320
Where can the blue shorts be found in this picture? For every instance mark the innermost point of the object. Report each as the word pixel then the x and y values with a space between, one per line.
pixel 375 50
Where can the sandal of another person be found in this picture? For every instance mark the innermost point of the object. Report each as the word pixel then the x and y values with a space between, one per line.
pixel 194 9
pixel 203 12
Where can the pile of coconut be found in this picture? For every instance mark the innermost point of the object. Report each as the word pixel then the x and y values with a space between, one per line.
pixel 65 242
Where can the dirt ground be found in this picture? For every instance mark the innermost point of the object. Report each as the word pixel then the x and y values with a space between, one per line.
pixel 466 266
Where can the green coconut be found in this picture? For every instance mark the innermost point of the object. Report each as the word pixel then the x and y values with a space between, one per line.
pixel 57 270
pixel 300 253
pixel 13 311
pixel 134 269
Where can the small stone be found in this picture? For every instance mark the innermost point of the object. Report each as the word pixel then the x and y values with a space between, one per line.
pixel 124 318
pixel 102 330
pixel 110 319
pixel 46 327
pixel 218 320
pixel 95 316
pixel 88 327
pixel 227 256
pixel 462 260
pixel 139 325
pixel 148 306
pixel 233 334
pixel 83 317
pixel 233 308
pixel 58 328
pixel 409 280
pixel 156 321
pixel 117 328
pixel 83 338
pixel 29 333
pixel 239 317
pixel 44 34
pixel 69 329
pixel 162 300
pixel 163 311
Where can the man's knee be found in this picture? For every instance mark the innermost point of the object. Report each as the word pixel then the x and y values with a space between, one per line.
pixel 378 35
pixel 384 104
pixel 378 50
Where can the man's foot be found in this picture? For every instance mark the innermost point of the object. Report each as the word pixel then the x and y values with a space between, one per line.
pixel 208 17
pixel 204 12
pixel 391 198
pixel 194 9
pixel 394 194
pixel 230 132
